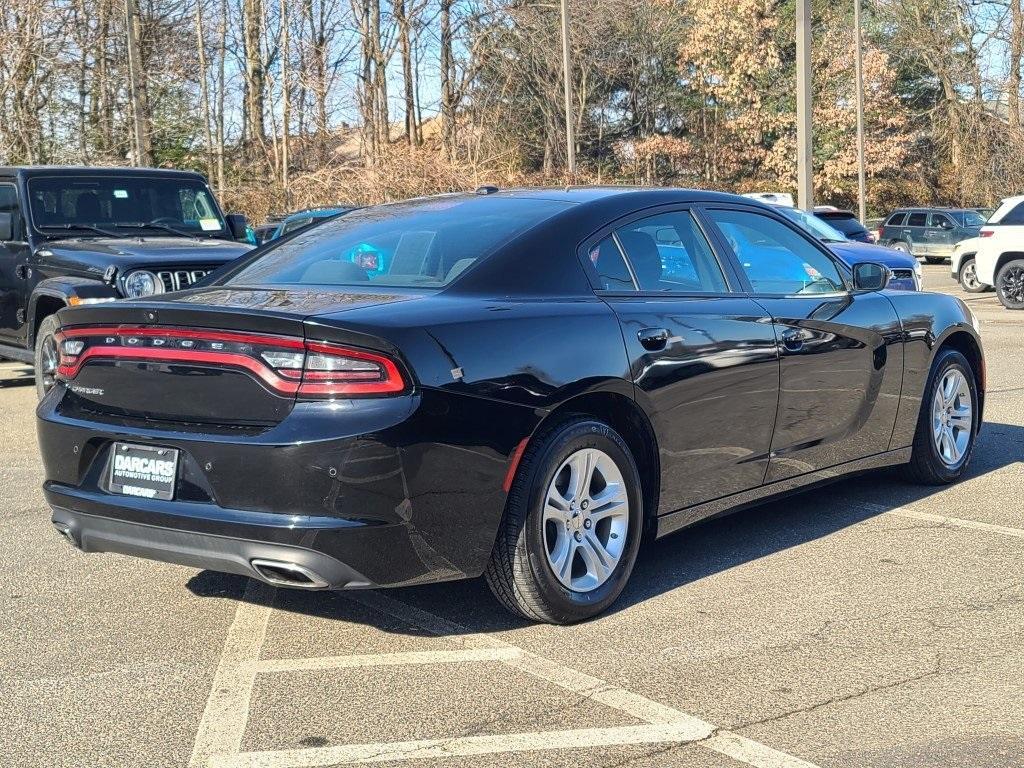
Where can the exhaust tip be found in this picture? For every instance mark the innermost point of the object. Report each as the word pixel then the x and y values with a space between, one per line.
pixel 65 531
pixel 286 574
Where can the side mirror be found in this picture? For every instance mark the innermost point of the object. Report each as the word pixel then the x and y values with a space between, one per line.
pixel 237 224
pixel 868 276
pixel 6 226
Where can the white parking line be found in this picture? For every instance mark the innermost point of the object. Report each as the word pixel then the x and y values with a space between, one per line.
pixel 227 709
pixel 583 738
pixel 386 659
pixel 956 522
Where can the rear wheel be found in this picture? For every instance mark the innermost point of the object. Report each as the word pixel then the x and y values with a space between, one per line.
pixel 46 355
pixel 572 525
pixel 1010 284
pixel 969 277
pixel 899 245
pixel 947 424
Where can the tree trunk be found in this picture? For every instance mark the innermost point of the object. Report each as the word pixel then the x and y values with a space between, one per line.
pixel 204 91
pixel 406 52
pixel 139 95
pixel 255 77
pixel 447 86
pixel 1016 54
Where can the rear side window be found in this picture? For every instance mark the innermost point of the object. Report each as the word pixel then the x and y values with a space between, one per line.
pixel 668 253
pixel 776 259
pixel 9 204
pixel 1015 216
pixel 896 220
pixel 611 267
pixel 418 243
pixel 917 220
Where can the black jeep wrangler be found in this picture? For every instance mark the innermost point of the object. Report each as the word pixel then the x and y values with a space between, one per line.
pixel 71 236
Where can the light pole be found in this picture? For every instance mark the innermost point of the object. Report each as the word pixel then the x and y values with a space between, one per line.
pixel 804 136
pixel 570 139
pixel 858 67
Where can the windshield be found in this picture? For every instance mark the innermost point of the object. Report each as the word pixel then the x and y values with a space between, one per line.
pixel 128 205
pixel 417 243
pixel 811 223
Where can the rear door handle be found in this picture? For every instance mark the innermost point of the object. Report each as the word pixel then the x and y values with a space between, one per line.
pixel 653 339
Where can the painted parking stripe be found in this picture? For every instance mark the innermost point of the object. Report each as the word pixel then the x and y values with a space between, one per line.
pixel 227 709
pixel 464 746
pixel 955 522
pixel 386 659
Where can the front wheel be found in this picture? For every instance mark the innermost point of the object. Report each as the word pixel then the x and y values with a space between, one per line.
pixel 969 277
pixel 948 422
pixel 1010 284
pixel 46 355
pixel 572 525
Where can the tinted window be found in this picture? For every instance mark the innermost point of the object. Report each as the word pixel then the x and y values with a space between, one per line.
pixel 9 204
pixel 1015 216
pixel 776 259
pixel 425 243
pixel 813 225
pixel 121 202
pixel 917 220
pixel 611 267
pixel 847 226
pixel 896 220
pixel 669 253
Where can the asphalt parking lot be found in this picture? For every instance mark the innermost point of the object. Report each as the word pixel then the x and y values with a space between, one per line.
pixel 872 623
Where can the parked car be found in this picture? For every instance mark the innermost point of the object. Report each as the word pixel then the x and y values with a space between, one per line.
pixel 906 271
pixel 846 222
pixel 74 236
pixel 931 233
pixel 296 221
pixel 998 256
pixel 964 268
pixel 525 392
pixel 874 226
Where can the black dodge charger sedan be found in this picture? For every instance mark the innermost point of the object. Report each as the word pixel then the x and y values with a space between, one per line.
pixel 521 384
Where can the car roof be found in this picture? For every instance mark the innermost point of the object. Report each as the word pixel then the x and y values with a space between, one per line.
pixel 28 171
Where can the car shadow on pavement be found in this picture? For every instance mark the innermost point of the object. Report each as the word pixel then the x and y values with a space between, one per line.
pixel 705 549
pixel 16 377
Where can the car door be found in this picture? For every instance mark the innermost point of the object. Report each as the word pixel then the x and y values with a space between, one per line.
pixel 912 233
pixel 939 235
pixel 840 351
pixel 703 357
pixel 13 270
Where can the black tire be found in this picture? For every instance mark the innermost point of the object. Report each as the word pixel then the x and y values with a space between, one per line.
pixel 518 573
pixel 934 259
pixel 1010 284
pixel 926 466
pixel 44 336
pixel 968 277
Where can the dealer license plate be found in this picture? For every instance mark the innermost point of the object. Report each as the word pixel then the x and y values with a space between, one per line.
pixel 142 470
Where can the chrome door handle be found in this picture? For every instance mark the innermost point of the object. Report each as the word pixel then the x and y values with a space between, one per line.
pixel 653 339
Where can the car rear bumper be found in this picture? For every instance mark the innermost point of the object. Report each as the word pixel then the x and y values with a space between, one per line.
pixel 362 493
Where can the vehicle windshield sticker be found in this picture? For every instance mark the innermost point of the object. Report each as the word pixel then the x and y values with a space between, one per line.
pixel 209 224
pixel 121 194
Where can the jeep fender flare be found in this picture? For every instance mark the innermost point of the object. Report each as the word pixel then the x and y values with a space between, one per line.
pixel 55 293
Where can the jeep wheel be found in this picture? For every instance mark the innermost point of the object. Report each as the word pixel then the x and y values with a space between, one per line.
pixel 1010 284
pixel 969 277
pixel 46 356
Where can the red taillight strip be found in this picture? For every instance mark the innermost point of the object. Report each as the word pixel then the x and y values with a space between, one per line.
pixel 285 381
pixel 149 354
pixel 285 342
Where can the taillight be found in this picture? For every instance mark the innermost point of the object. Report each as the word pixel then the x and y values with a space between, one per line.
pixel 986 233
pixel 285 365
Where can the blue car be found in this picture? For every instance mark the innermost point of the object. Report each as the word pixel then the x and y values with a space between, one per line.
pixel 296 221
pixel 906 271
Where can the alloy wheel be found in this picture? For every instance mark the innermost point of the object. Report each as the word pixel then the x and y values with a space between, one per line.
pixel 48 361
pixel 969 276
pixel 1011 284
pixel 586 520
pixel 952 422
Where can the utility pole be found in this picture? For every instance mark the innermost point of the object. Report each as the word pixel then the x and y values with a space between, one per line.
pixel 570 138
pixel 286 113
pixel 140 105
pixel 858 66
pixel 804 135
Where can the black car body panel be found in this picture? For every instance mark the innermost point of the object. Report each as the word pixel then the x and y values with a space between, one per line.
pixel 755 395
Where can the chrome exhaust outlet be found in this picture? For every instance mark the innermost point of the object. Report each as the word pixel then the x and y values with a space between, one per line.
pixel 287 574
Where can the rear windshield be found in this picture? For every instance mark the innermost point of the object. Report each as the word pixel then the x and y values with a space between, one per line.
pixel 126 205
pixel 419 243
pixel 847 226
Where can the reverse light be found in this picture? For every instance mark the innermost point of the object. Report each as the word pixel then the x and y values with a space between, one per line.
pixel 286 365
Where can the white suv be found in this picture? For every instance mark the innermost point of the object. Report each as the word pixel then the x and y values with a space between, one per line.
pixel 999 256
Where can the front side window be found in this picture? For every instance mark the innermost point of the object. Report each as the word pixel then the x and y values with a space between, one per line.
pixel 418 243
pixel 124 205
pixel 669 253
pixel 775 259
